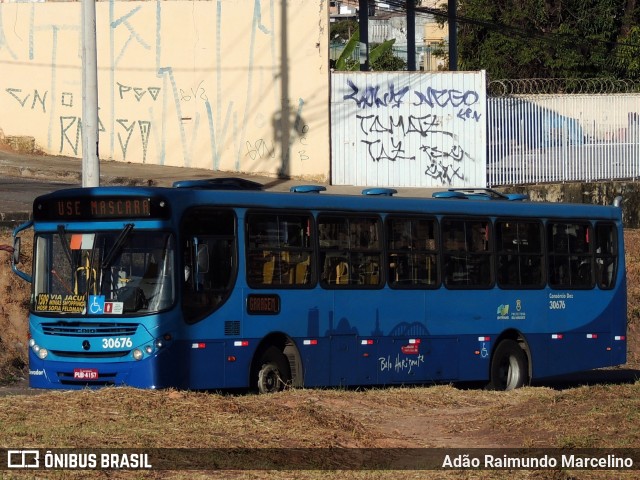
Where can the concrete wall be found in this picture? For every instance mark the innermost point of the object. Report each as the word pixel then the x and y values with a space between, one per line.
pixel 231 85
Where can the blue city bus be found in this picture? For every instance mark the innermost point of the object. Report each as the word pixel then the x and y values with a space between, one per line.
pixel 219 284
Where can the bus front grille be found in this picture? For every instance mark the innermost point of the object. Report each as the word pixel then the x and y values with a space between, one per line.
pixel 83 329
pixel 84 354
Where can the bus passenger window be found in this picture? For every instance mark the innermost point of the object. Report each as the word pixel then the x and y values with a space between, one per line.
pixel 520 255
pixel 467 253
pixel 606 255
pixel 570 257
pixel 412 248
pixel 279 250
pixel 350 251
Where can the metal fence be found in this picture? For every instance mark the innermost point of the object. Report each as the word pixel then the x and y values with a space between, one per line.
pixel 543 131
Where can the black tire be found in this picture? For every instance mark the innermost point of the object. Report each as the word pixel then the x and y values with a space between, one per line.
pixel 509 367
pixel 274 372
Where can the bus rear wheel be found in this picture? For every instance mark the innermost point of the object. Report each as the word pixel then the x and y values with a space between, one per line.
pixel 274 373
pixel 509 369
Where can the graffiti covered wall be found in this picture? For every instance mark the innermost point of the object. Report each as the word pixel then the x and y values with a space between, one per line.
pixel 231 85
pixel 409 129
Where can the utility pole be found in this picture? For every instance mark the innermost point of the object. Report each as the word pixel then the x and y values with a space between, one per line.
pixel 411 35
pixel 90 158
pixel 453 34
pixel 363 20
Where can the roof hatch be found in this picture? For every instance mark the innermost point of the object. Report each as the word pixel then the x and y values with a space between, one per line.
pixel 480 194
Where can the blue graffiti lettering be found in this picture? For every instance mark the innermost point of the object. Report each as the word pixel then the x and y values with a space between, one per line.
pixel 371 96
pixel 465 114
pixel 442 98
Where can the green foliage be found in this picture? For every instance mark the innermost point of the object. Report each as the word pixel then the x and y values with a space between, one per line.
pixel 344 61
pixel 343 30
pixel 544 39
pixel 627 60
pixel 381 57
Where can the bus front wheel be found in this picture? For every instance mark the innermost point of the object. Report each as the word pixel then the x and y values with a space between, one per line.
pixel 509 367
pixel 274 372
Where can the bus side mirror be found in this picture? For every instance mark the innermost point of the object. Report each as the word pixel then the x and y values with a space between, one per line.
pixel 16 251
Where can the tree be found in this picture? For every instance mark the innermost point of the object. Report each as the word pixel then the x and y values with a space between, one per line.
pixel 384 60
pixel 380 56
pixel 342 30
pixel 547 39
pixel 627 60
pixel 345 62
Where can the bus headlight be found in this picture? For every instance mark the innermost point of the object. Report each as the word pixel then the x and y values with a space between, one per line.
pixel 32 342
pixel 42 353
pixel 148 349
pixel 159 343
pixel 137 354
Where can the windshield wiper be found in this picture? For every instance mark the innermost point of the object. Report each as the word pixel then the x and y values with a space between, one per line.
pixel 65 246
pixel 117 246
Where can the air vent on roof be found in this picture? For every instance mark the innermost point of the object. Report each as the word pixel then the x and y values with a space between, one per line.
pixel 386 192
pixel 307 189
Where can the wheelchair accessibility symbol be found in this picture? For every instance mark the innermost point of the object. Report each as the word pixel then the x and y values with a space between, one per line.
pixel 96 304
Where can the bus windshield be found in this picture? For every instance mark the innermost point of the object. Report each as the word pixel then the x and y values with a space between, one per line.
pixel 112 273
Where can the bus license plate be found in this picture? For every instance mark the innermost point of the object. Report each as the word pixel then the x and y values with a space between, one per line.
pixel 85 373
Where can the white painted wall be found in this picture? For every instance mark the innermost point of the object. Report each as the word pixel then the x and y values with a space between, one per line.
pixel 231 85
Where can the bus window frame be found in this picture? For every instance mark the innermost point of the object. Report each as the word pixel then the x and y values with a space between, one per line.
pixel 615 255
pixel 312 249
pixel 550 254
pixel 388 252
pixel 543 253
pixel 490 252
pixel 364 215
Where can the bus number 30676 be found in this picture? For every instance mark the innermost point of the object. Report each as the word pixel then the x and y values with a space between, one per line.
pixel 121 342
pixel 557 305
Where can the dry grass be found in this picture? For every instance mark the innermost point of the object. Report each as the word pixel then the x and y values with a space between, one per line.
pixel 632 256
pixel 389 419
pixel 14 303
